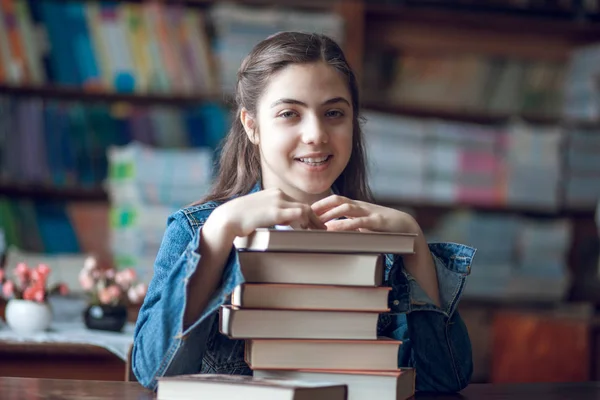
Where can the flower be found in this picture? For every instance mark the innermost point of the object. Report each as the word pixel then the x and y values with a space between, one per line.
pixel 108 286
pixel 30 283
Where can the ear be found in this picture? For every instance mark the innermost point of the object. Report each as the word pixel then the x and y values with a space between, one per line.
pixel 249 124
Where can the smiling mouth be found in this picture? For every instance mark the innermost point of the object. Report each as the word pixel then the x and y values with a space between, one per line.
pixel 314 161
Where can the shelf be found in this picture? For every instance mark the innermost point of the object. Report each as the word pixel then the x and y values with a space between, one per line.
pixel 433 207
pixel 78 94
pixel 75 193
pixel 497 19
pixel 479 117
pixel 68 193
pixel 307 4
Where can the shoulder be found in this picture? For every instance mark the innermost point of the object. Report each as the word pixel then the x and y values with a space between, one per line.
pixel 194 216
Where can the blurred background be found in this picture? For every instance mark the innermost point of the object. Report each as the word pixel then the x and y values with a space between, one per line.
pixel 482 120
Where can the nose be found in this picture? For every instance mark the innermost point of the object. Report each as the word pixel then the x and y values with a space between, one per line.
pixel 313 131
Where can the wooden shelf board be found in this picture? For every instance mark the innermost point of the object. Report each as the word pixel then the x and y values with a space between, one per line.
pixel 78 94
pixel 314 4
pixel 460 115
pixel 486 18
pixel 76 193
pixel 67 193
pixel 431 206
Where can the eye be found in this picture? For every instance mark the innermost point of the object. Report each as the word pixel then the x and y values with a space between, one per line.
pixel 287 114
pixel 334 114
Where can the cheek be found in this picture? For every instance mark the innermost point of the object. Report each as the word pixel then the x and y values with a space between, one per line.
pixel 343 139
pixel 278 146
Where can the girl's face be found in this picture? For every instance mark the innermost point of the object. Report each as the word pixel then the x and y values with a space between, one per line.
pixel 304 130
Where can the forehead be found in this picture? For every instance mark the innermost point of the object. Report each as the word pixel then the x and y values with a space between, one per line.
pixel 314 82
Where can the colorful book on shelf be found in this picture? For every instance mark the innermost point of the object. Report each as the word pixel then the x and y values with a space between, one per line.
pixel 240 387
pixel 312 268
pixel 311 297
pixel 342 355
pixel 362 385
pixel 266 239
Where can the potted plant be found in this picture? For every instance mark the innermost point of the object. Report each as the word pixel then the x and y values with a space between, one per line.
pixel 110 293
pixel 27 310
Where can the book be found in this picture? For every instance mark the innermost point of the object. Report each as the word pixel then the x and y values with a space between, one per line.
pixel 312 268
pixel 241 387
pixel 267 239
pixel 364 355
pixel 239 323
pixel 311 297
pixel 362 385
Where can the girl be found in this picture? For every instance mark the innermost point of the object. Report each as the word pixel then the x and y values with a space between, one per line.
pixel 294 156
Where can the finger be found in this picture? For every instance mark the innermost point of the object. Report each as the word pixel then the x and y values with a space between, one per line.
pixel 329 202
pixel 287 216
pixel 314 221
pixel 299 217
pixel 348 210
pixel 311 219
pixel 348 224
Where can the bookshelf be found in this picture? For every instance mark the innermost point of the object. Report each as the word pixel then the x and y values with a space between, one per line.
pixel 395 26
pixel 422 27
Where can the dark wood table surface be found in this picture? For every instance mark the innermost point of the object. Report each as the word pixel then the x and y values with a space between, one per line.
pixel 65 389
pixel 60 361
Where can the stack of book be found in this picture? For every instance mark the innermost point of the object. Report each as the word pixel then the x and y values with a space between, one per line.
pixel 309 308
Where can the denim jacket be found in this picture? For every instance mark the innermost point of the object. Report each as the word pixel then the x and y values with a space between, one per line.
pixel 435 339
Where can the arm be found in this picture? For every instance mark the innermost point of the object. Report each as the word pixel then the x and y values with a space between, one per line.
pixel 194 272
pixel 166 343
pixel 435 339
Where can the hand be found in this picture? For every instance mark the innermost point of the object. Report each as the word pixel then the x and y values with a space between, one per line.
pixel 241 216
pixel 362 216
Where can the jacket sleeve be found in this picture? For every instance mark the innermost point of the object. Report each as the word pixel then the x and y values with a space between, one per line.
pixel 435 339
pixel 162 345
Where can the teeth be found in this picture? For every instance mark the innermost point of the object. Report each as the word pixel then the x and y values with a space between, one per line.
pixel 314 160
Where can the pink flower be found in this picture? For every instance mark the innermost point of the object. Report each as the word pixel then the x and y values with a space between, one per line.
pixel 136 293
pixel 104 296
pixel 90 264
pixel 38 295
pixel 115 292
pixel 132 295
pixel 141 289
pixel 125 278
pixel 34 275
pixel 29 293
pixel 8 289
pixel 63 289
pixel 21 269
pixel 110 273
pixel 43 270
pixel 22 272
pixel 86 281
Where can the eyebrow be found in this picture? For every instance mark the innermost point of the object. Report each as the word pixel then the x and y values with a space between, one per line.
pixel 298 102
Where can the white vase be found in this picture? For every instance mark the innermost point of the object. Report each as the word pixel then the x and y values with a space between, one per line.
pixel 26 316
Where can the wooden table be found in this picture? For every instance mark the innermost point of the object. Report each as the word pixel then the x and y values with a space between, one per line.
pixel 64 389
pixel 61 361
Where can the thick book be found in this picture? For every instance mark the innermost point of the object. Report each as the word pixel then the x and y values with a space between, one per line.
pixel 238 323
pixel 241 387
pixel 362 385
pixel 312 268
pixel 266 239
pixel 364 355
pixel 311 297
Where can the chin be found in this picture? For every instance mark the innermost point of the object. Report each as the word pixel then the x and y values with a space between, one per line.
pixel 316 189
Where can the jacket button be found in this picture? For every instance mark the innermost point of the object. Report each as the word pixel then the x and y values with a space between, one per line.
pixel 396 302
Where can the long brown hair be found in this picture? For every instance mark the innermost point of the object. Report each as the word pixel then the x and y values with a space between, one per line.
pixel 239 163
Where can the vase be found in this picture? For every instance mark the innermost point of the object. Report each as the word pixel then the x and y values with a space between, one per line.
pixel 27 316
pixel 105 317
